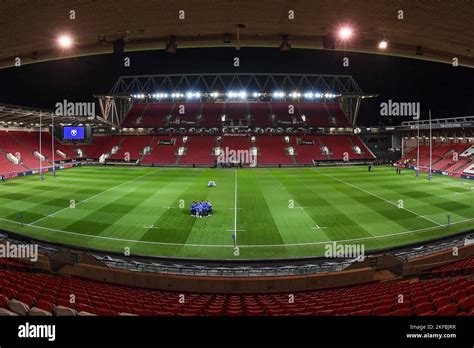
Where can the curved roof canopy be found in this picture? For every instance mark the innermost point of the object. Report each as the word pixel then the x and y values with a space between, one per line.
pixel 422 29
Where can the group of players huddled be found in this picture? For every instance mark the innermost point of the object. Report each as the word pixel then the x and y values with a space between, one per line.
pixel 201 209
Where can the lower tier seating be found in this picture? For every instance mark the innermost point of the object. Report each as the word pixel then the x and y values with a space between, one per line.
pixel 164 150
pixel 27 293
pixel 445 157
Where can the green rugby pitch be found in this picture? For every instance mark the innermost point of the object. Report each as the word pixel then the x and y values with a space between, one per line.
pixel 274 212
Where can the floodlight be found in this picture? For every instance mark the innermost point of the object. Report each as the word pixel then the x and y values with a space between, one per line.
pixel 345 33
pixel 383 44
pixel 65 41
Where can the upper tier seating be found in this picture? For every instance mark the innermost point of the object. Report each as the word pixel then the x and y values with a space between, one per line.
pixel 336 112
pixel 255 114
pixel 149 115
pixel 236 114
pixel 185 115
pixel 316 115
pixel 260 114
pixel 211 115
pixel 283 116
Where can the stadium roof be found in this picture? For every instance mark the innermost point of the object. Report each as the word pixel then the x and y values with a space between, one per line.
pixel 432 30
pixel 21 116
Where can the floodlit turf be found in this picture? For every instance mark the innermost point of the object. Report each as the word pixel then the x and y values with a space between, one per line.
pixel 277 213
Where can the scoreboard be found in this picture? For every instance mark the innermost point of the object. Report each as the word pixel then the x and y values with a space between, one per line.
pixel 78 134
pixel 73 133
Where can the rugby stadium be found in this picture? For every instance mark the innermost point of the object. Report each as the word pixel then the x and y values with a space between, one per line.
pixel 209 164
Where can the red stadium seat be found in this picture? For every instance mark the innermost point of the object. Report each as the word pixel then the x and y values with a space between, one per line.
pixel 382 310
pixel 402 312
pixel 459 295
pixel 423 308
pixel 106 312
pixel 441 301
pixel 449 309
pixel 467 303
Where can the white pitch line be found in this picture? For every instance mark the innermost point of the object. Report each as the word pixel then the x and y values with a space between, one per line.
pixel 318 227
pixel 300 207
pixel 377 196
pixel 96 195
pixel 235 210
pixel 151 227
pixel 227 245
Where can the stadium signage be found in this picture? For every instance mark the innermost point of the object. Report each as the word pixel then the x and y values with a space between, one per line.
pixel 306 142
pixel 436 125
pixel 37 331
pixel 165 142
pixel 393 108
pixel 451 125
pixel 66 108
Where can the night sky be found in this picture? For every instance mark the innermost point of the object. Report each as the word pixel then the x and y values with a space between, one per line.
pixel 448 91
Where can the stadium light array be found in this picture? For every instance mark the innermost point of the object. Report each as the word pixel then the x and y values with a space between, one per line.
pixel 239 95
pixel 193 95
pixel 279 94
pixel 160 95
pixel 235 95
pixel 313 95
pixel 138 96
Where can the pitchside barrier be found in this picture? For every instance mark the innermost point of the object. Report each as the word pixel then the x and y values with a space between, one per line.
pixel 238 269
pixel 11 175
